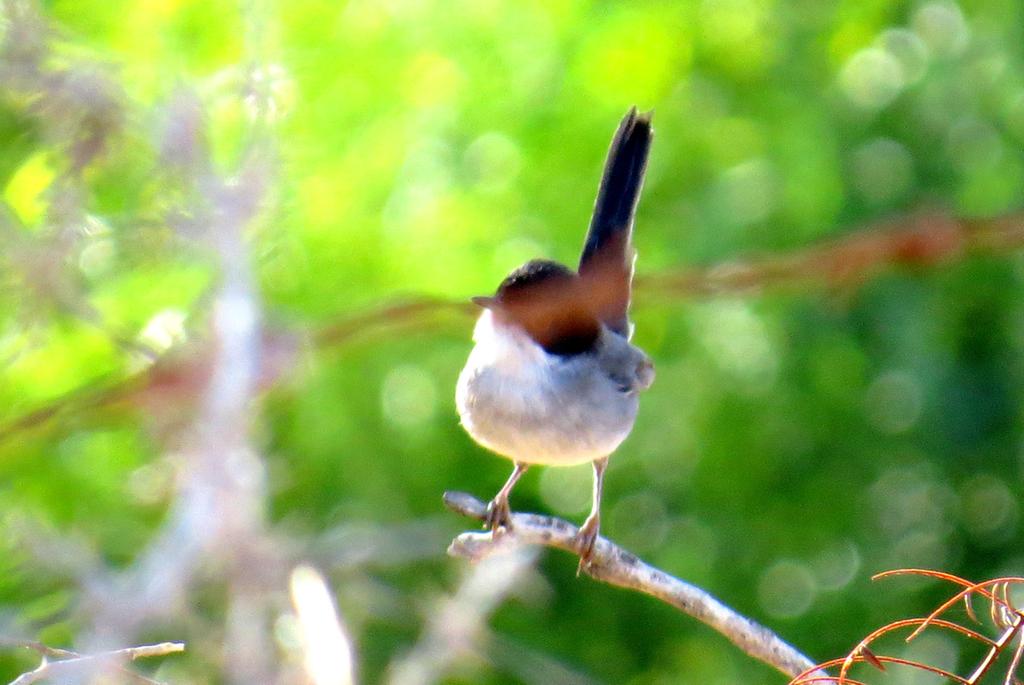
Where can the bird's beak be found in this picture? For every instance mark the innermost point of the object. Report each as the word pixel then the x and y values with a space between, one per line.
pixel 485 302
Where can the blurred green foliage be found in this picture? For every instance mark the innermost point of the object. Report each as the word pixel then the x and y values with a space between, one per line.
pixel 793 443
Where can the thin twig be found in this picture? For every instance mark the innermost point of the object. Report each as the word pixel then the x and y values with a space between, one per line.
pixel 456 622
pixel 69 662
pixel 615 566
pixel 1005 616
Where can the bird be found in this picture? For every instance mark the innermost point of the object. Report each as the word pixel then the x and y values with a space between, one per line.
pixel 553 378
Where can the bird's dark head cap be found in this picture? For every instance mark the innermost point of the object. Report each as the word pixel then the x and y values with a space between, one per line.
pixel 545 298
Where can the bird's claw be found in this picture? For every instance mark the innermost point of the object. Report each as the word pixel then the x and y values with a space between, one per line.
pixel 585 540
pixel 498 515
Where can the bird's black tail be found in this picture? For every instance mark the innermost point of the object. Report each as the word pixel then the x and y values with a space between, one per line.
pixel 620 186
pixel 607 248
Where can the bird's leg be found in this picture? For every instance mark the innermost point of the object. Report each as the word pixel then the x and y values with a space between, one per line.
pixel 498 513
pixel 587 535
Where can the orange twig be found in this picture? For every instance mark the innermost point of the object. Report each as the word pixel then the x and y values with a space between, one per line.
pixel 1003 613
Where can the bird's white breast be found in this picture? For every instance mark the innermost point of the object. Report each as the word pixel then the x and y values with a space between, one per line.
pixel 523 403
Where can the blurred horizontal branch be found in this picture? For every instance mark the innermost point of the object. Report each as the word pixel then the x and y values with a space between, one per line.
pixel 615 566
pixel 920 240
pixel 392 316
pixel 65 663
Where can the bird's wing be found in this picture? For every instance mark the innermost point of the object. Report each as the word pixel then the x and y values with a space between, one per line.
pixel 606 264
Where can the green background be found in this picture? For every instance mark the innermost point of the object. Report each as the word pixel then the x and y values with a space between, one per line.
pixel 796 440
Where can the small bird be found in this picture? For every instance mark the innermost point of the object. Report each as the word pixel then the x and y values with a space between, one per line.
pixel 553 378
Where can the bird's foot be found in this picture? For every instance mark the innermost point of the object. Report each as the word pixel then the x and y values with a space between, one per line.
pixel 585 539
pixel 499 516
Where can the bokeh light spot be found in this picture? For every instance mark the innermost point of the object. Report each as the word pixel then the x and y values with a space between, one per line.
pixel 693 550
pixel 915 512
pixel 872 78
pixel 988 508
pixel 748 192
pixel 640 522
pixel 408 396
pixel 893 402
pixel 942 27
pixel 907 48
pixel 837 565
pixel 909 497
pixel 738 341
pixel 787 589
pixel 566 491
pixel 882 170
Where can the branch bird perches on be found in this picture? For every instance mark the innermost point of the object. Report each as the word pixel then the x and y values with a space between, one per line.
pixel 613 565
